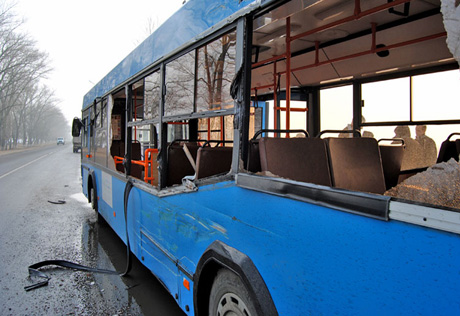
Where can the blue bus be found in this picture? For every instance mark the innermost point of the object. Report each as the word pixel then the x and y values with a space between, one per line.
pixel 273 157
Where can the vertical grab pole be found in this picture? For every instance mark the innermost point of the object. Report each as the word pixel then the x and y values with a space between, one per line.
pixel 129 130
pixel 222 131
pixel 275 98
pixel 288 74
pixel 135 113
pixel 374 37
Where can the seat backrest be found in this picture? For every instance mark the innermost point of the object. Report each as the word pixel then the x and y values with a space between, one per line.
pixel 178 164
pixel 118 149
pixel 300 159
pixel 448 150
pixel 356 164
pixel 457 144
pixel 392 157
pixel 253 156
pixel 136 151
pixel 212 161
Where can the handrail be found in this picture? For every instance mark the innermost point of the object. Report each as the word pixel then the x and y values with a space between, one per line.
pixel 179 140
pixel 148 161
pixel 118 159
pixel 392 140
pixel 340 131
pixel 279 131
pixel 217 141
pixel 453 134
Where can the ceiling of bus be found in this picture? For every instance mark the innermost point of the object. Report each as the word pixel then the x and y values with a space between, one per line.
pixel 269 35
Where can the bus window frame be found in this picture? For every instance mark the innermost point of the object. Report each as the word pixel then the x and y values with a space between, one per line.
pixel 357 105
pixel 239 27
pixel 403 74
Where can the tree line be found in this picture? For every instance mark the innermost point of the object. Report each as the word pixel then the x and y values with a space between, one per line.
pixel 28 108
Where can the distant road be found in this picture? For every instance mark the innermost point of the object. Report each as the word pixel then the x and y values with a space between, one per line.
pixel 32 229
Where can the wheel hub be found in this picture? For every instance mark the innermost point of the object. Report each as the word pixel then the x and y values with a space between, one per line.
pixel 231 304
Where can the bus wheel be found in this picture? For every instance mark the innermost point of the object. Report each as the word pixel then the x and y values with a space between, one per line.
pixel 229 296
pixel 92 193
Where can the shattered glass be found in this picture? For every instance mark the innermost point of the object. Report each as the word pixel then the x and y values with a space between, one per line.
pixel 438 185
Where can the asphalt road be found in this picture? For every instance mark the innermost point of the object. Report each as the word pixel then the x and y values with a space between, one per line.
pixel 32 229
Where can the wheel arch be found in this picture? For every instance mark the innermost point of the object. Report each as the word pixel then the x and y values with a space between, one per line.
pixel 221 256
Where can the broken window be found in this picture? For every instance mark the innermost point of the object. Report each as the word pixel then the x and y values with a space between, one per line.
pixel 216 70
pixel 180 85
pixel 138 101
pixel 152 96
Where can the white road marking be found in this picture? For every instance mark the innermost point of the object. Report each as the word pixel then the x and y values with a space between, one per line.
pixel 23 166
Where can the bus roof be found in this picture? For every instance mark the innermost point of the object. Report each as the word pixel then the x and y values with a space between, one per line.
pixel 193 20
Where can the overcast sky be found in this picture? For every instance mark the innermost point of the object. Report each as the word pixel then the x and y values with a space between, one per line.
pixel 86 39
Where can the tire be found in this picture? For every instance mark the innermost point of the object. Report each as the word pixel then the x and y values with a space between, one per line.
pixel 229 296
pixel 93 198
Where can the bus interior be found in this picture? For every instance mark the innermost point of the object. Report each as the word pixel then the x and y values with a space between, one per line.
pixel 367 80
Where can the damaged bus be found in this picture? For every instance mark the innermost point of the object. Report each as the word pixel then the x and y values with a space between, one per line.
pixel 266 157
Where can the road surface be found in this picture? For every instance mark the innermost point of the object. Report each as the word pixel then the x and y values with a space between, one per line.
pixel 33 229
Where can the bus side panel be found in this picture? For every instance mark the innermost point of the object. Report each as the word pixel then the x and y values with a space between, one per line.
pixel 84 177
pixel 111 202
pixel 110 198
pixel 312 258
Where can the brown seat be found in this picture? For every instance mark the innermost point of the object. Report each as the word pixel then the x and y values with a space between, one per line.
pixel 356 164
pixel 300 159
pixel 457 144
pixel 178 164
pixel 253 156
pixel 136 151
pixel 136 170
pixel 212 161
pixel 392 157
pixel 449 149
pixel 118 149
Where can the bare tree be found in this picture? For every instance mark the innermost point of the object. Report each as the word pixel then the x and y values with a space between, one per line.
pixel 43 118
pixel 22 66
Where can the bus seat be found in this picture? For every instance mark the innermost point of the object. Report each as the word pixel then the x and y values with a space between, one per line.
pixel 300 159
pixel 178 164
pixel 392 157
pixel 136 170
pixel 118 149
pixel 136 151
pixel 457 144
pixel 449 149
pixel 212 161
pixel 356 164
pixel 253 156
